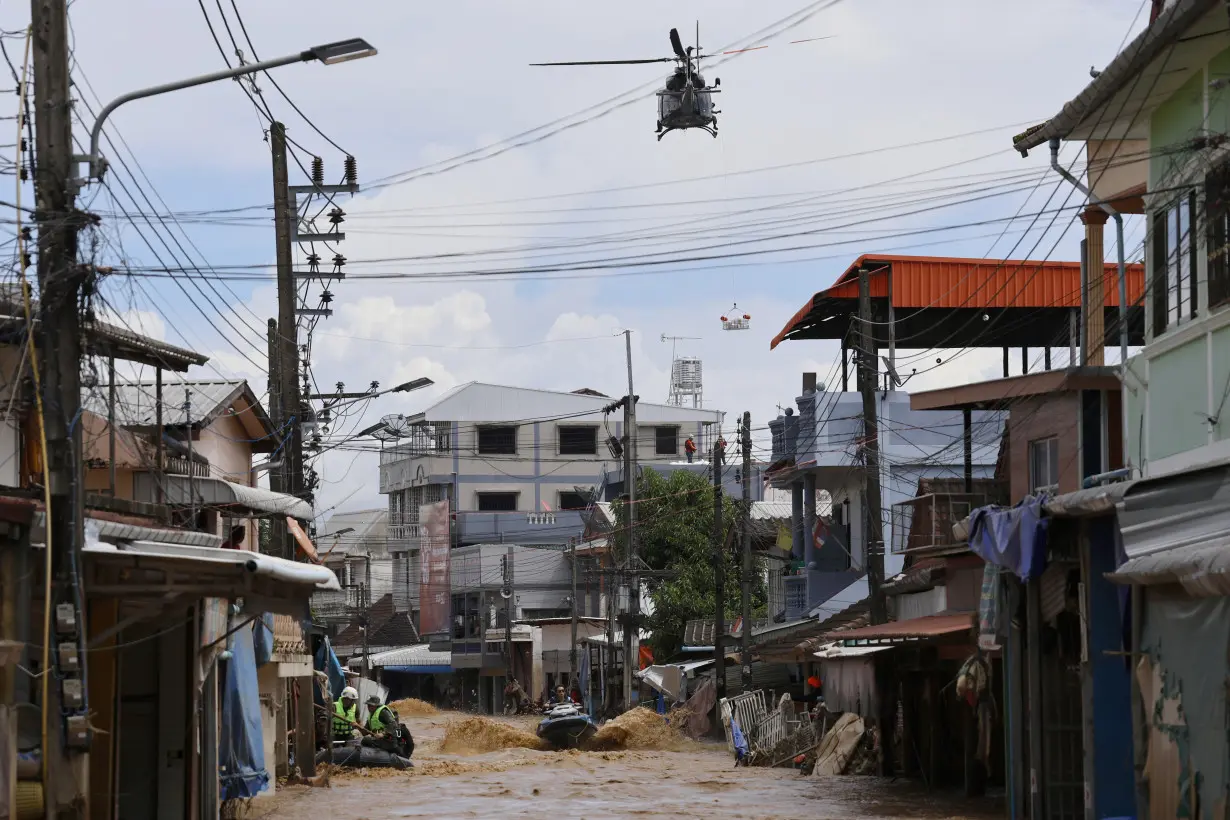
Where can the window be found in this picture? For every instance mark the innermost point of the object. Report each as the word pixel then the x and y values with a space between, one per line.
pixel 497 502
pixel 444 437
pixel 1217 217
pixel 578 441
pixel 666 441
pixel 573 500
pixel 1174 269
pixel 497 441
pixel 1044 464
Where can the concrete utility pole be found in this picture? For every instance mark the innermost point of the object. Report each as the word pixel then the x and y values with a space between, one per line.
pixel 719 577
pixel 507 593
pixel 289 398
pixel 191 478
pixel 745 644
pixel 572 651
pixel 59 348
pixel 868 374
pixel 367 612
pixel 631 644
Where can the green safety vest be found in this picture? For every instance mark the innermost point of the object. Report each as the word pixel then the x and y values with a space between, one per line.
pixel 377 723
pixel 342 729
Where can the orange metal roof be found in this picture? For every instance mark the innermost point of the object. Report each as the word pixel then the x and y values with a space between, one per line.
pixel 929 626
pixel 948 284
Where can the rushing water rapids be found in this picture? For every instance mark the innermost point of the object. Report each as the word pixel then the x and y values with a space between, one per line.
pixel 637 766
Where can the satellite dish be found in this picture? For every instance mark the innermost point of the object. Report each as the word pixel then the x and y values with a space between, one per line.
pixel 396 425
pixel 385 434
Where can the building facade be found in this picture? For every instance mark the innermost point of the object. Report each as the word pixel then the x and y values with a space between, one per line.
pixel 818 449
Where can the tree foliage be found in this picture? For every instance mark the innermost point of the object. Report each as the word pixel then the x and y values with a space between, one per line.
pixel 675 534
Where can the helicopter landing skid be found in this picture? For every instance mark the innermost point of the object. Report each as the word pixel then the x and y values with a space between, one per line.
pixel 707 129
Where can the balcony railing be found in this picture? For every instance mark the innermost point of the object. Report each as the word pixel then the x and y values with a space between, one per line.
pixel 927 521
pixel 174 464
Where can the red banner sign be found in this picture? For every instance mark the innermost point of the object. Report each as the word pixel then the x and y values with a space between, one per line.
pixel 434 584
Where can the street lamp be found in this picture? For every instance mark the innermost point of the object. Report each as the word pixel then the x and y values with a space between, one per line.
pixel 329 54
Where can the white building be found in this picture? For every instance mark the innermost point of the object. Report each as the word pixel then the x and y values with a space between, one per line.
pixel 519 465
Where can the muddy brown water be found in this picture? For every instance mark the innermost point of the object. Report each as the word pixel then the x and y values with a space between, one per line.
pixel 464 769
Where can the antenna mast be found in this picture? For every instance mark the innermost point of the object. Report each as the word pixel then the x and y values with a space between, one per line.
pixel 686 381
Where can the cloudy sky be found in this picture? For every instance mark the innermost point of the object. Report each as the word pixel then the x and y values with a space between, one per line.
pixel 444 242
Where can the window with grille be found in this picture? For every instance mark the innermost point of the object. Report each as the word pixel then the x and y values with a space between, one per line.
pixel 1044 464
pixel 666 441
pixel 1174 264
pixel 1217 233
pixel 578 441
pixel 497 441
pixel 497 502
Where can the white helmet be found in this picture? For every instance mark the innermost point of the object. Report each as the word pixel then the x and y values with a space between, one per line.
pixel 350 693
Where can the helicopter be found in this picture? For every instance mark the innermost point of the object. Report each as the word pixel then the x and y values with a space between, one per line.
pixel 686 101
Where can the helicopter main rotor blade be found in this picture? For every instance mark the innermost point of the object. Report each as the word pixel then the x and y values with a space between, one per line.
pixel 611 62
pixel 677 45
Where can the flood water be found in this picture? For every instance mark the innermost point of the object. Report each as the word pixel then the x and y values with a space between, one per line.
pixel 482 768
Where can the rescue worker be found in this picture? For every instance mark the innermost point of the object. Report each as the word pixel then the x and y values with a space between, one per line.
pixel 689 447
pixel 388 732
pixel 345 714
pixel 721 450
pixel 381 719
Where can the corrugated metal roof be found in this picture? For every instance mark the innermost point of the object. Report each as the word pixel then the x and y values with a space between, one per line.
pixel 931 626
pixel 136 404
pixel 771 510
pixel 949 283
pixel 481 402
pixel 420 655
pixel 834 651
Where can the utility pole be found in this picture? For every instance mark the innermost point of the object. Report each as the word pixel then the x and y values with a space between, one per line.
pixel 507 593
pixel 719 577
pixel 191 478
pixel 745 645
pixel 868 374
pixel 631 648
pixel 572 651
pixel 59 348
pixel 289 398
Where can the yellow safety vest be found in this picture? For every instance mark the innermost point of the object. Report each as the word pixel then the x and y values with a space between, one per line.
pixel 341 728
pixel 376 722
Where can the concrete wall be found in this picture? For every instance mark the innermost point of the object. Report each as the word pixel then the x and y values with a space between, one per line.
pixel 558 637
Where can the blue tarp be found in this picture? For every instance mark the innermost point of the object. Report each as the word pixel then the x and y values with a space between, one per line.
pixel 328 663
pixel 420 670
pixel 241 753
pixel 262 638
pixel 1014 539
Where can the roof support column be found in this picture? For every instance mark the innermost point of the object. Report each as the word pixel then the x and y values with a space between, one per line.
pixel 1095 299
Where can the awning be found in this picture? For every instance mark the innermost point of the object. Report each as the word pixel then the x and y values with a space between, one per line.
pixel 1176 529
pixel 930 626
pixel 1203 570
pixel 153 573
pixel 836 651
pixel 419 658
pixel 217 492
